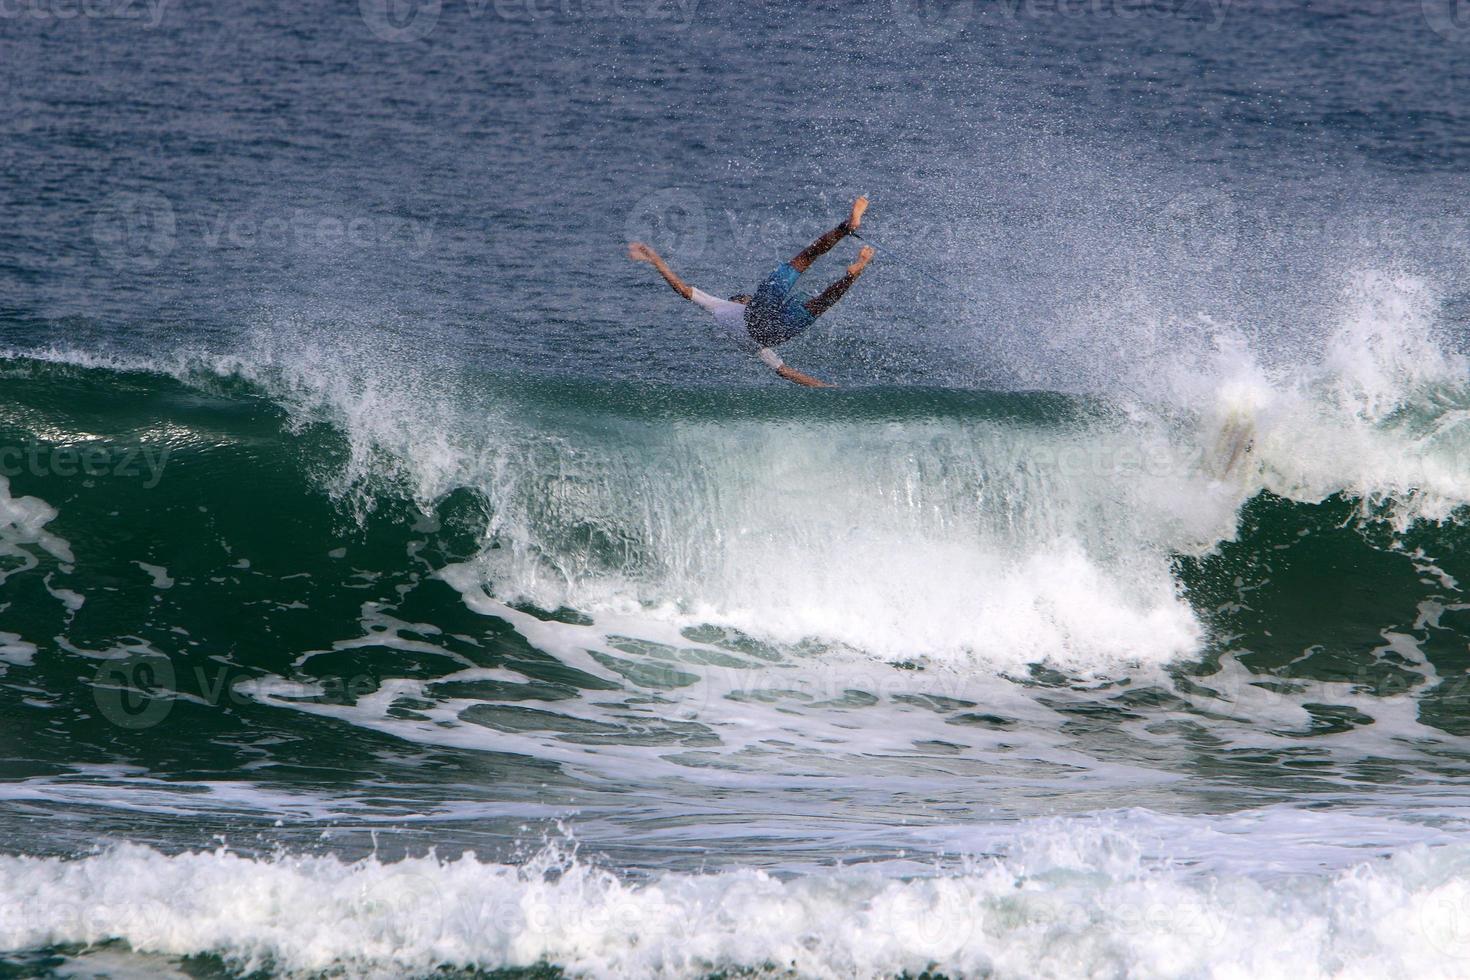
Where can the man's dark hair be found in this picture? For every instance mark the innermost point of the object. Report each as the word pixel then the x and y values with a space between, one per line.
pixel 741 298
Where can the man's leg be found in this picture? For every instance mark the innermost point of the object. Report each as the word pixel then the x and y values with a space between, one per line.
pixel 829 297
pixel 804 259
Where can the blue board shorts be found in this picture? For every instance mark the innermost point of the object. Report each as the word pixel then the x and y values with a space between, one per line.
pixel 778 312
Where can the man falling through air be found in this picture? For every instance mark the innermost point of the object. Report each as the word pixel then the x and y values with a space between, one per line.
pixel 777 312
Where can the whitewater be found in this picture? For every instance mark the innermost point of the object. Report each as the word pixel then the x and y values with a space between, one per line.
pixel 763 608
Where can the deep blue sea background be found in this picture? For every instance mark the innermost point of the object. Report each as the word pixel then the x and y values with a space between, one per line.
pixel 1223 156
pixel 444 594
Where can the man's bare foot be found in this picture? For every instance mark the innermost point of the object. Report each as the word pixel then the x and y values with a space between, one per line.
pixel 864 257
pixel 856 217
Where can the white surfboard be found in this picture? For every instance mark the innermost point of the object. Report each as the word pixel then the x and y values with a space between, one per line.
pixel 1234 445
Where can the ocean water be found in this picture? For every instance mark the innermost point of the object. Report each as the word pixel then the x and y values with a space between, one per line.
pixel 396 581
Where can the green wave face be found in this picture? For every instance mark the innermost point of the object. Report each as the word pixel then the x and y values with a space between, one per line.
pixel 206 574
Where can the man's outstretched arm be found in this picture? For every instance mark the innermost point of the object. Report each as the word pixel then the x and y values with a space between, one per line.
pixel 639 252
pixel 796 377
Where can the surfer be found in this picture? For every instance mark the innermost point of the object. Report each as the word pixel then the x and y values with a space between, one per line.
pixel 777 312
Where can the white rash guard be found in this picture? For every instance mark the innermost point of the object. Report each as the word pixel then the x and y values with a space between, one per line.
pixel 730 316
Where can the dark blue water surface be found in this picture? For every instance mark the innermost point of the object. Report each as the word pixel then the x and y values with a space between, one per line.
pixel 461 175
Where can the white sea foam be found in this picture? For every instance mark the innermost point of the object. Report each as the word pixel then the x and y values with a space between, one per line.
pixel 14 649
pixel 23 533
pixel 990 541
pixel 158 573
pixel 986 540
pixel 1098 896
